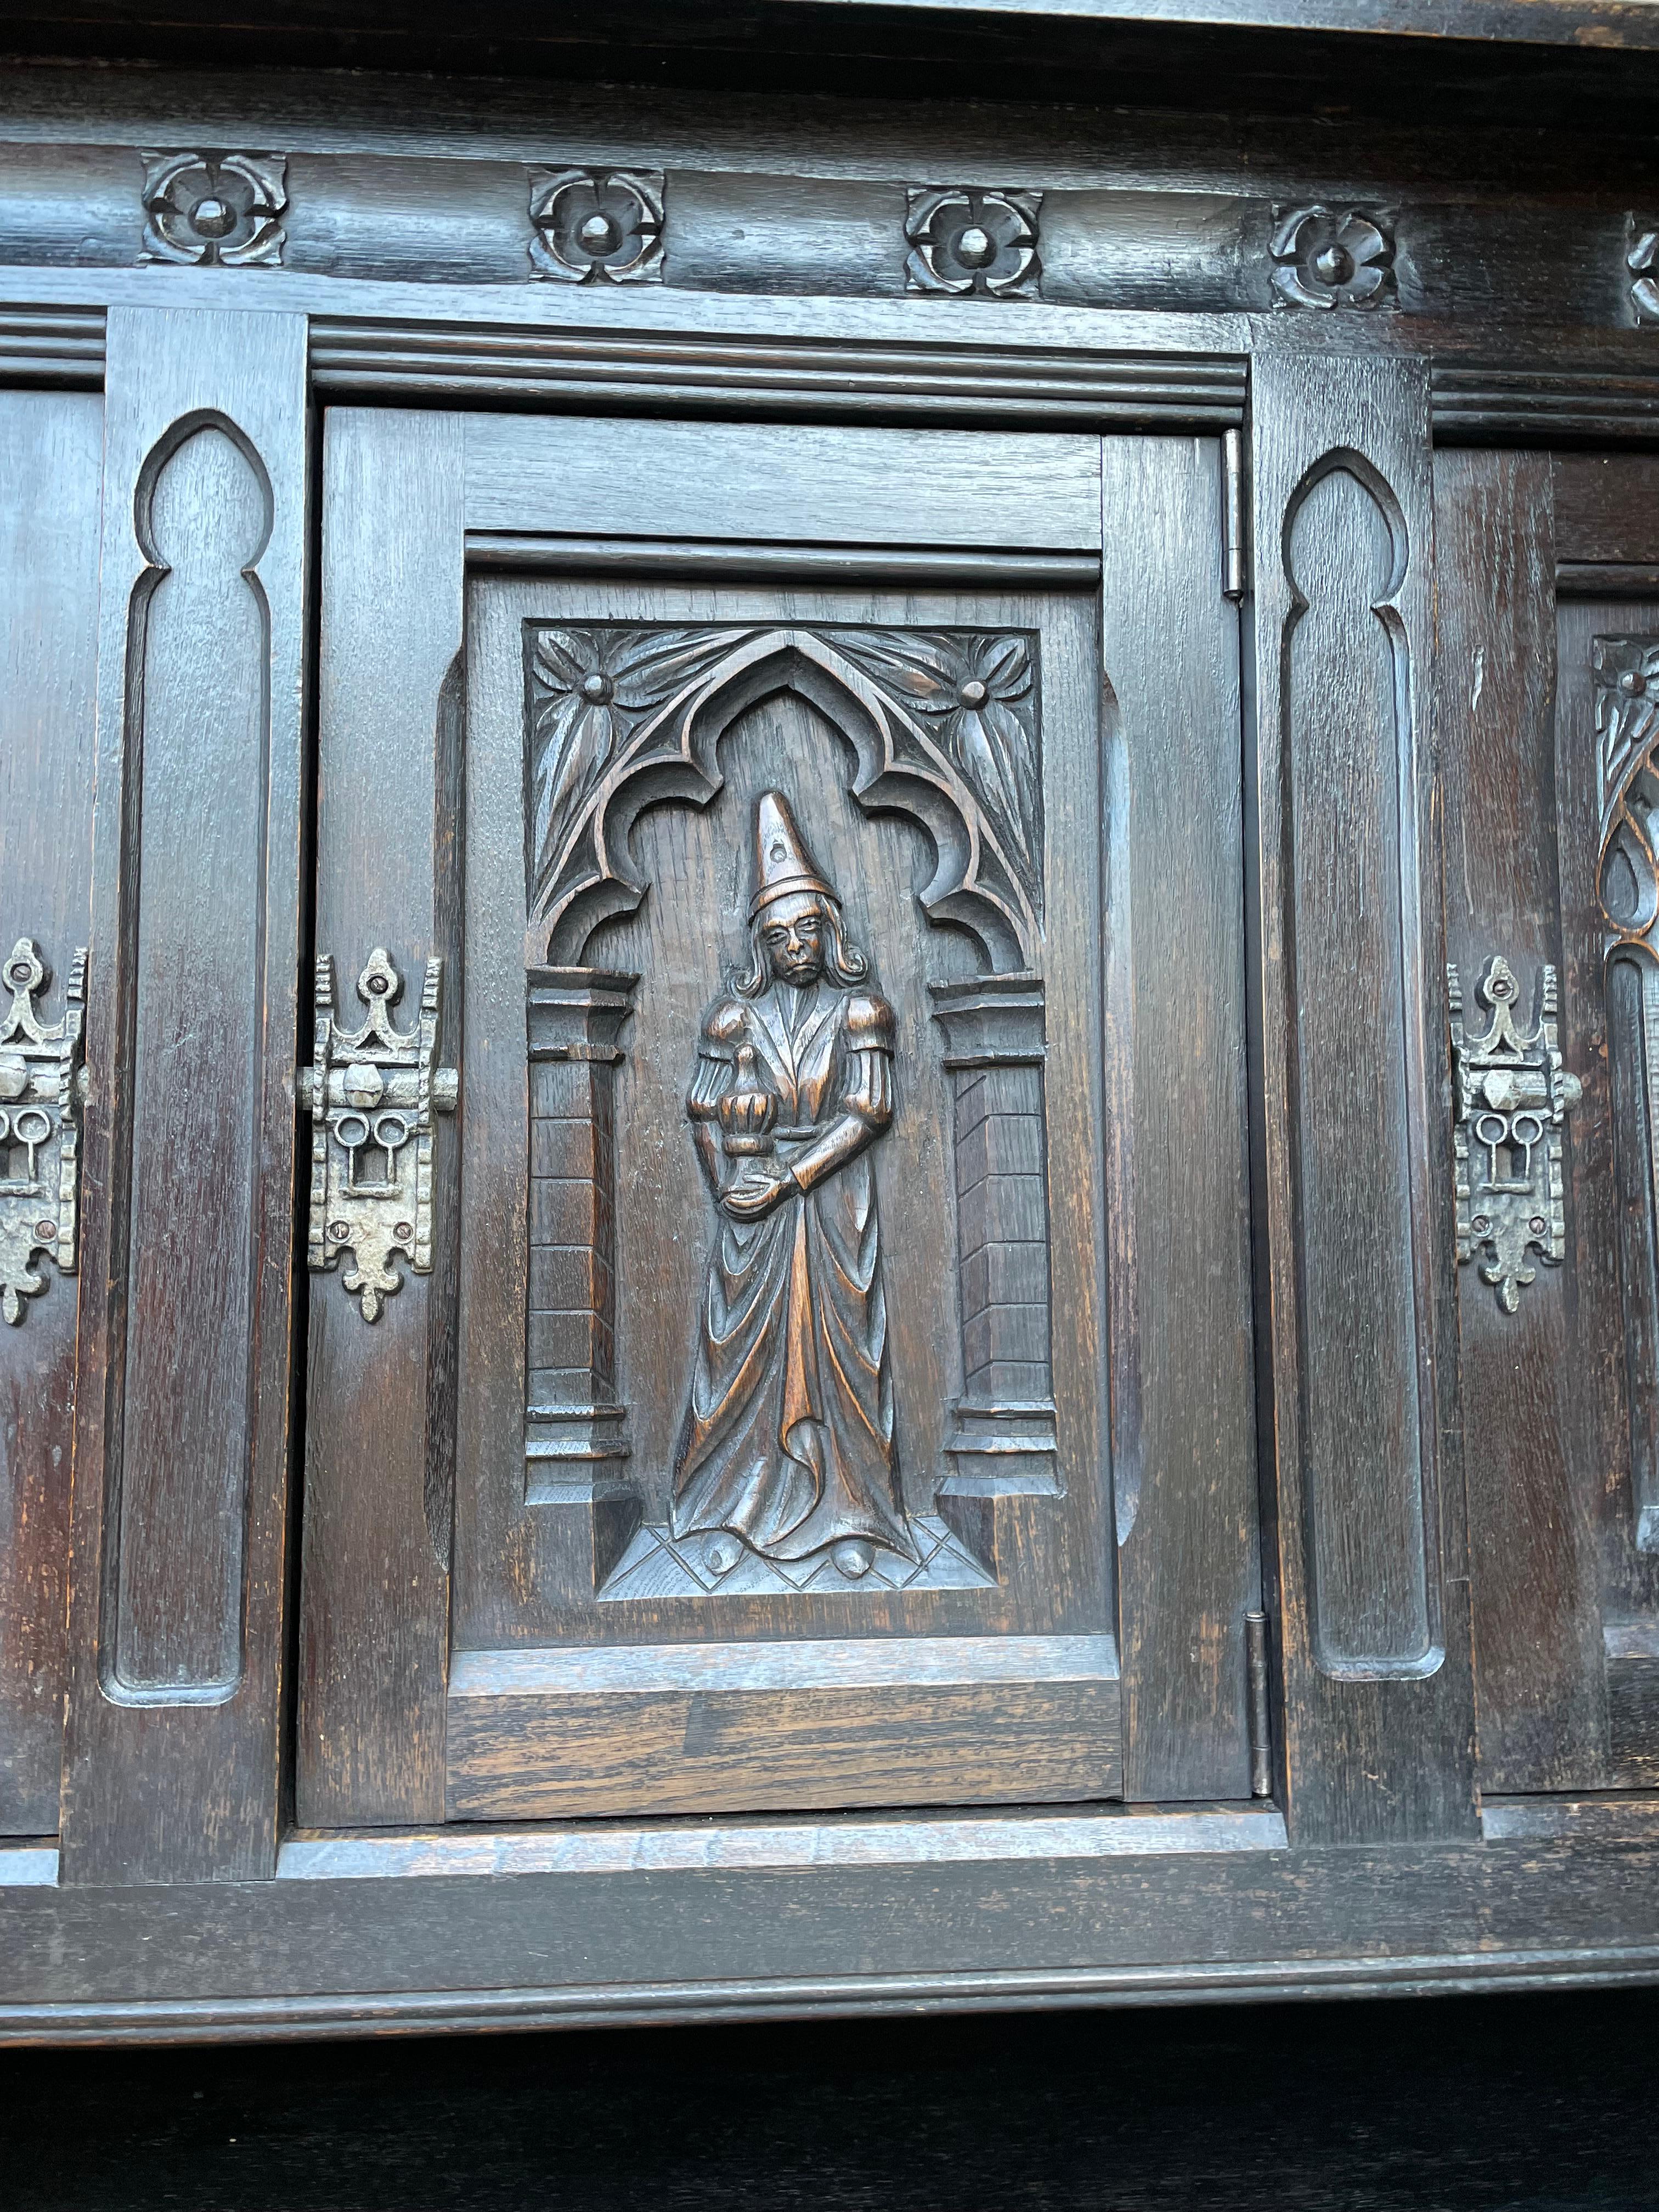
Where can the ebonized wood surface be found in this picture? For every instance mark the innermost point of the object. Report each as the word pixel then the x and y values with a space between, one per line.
pixel 1461 2105
pixel 1468 63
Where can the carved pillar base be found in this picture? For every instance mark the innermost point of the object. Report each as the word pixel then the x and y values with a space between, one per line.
pixel 575 1432
pixel 1002 1441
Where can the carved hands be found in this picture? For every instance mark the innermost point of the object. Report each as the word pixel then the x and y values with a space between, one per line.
pixel 757 1190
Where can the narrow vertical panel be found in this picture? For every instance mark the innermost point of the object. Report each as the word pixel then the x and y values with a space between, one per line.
pixel 1356 1191
pixel 1533 1463
pixel 1184 1447
pixel 50 454
pixel 182 1433
pixel 380 1420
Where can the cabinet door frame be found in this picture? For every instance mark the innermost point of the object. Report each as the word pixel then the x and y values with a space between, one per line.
pixel 422 498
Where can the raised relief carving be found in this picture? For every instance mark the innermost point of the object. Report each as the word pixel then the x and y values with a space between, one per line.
pixel 597 226
pixel 1625 673
pixel 787 1476
pixel 214 207
pixel 1331 257
pixel 1512 1096
pixel 1642 261
pixel 41 1087
pixel 944 723
pixel 966 240
pixel 787 1441
pixel 372 1094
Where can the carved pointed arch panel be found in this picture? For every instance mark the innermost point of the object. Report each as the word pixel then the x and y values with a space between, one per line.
pixel 873 1408
pixel 937 729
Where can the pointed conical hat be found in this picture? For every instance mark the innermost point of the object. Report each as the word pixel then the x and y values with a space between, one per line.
pixel 782 862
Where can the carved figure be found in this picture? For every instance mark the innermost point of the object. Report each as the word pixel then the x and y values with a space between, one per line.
pixel 787 1441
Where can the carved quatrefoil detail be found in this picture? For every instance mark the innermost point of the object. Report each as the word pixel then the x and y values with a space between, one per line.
pixel 1328 257
pixel 214 207
pixel 597 226
pixel 966 240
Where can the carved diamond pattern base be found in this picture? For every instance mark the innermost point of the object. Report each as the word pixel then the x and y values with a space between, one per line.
pixel 658 1564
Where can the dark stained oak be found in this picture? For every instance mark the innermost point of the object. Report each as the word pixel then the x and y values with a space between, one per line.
pixel 374 1583
pixel 183 1383
pixel 51 461
pixel 926 1440
pixel 1533 1429
pixel 1371 1541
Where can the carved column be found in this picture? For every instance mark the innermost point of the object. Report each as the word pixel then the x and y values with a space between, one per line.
pixel 575 1432
pixel 1002 1441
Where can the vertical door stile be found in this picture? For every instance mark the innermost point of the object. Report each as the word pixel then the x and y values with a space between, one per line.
pixel 381 1397
pixel 1371 1531
pixel 183 1387
pixel 1528 1359
pixel 1184 1450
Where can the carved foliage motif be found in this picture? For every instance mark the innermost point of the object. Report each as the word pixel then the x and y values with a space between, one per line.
pixel 944 723
pixel 1625 673
pixel 1626 678
pixel 597 226
pixel 214 207
pixel 1642 261
pixel 1512 1097
pixel 967 241
pixel 372 1095
pixel 40 1128
pixel 1330 257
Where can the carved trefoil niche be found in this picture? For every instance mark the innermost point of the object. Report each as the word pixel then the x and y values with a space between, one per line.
pixel 597 226
pixel 223 208
pixel 963 239
pixel 1331 257
pixel 1511 1099
pixel 787 1474
pixel 1625 673
pixel 41 1087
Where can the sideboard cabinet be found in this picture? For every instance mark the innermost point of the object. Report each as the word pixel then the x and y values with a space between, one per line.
pixel 829 1075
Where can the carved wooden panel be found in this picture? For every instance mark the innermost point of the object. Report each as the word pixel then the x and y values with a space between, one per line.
pixel 1357 1155
pixel 802 1356
pixel 184 1382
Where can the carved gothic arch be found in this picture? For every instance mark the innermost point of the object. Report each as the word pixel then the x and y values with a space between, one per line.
pixel 692 686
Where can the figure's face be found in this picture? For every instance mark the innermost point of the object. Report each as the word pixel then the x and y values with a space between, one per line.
pixel 794 937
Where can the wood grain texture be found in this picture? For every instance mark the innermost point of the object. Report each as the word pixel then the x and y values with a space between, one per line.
pixel 1533 1447
pixel 718 481
pixel 1607 506
pixel 1183 1346
pixel 1372 1544
pixel 183 1389
pixel 784 1934
pixel 379 1437
pixel 719 1727
pixel 51 459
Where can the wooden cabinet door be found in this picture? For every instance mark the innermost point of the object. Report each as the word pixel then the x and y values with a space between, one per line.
pixel 1550 716
pixel 812 1366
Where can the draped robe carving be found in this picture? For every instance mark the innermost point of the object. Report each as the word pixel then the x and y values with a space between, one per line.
pixel 788 1441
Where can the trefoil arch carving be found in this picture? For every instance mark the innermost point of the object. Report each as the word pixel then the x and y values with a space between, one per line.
pixel 942 724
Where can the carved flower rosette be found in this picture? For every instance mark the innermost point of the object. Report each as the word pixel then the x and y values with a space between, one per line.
pixel 968 240
pixel 214 207
pixel 1331 257
pixel 597 226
